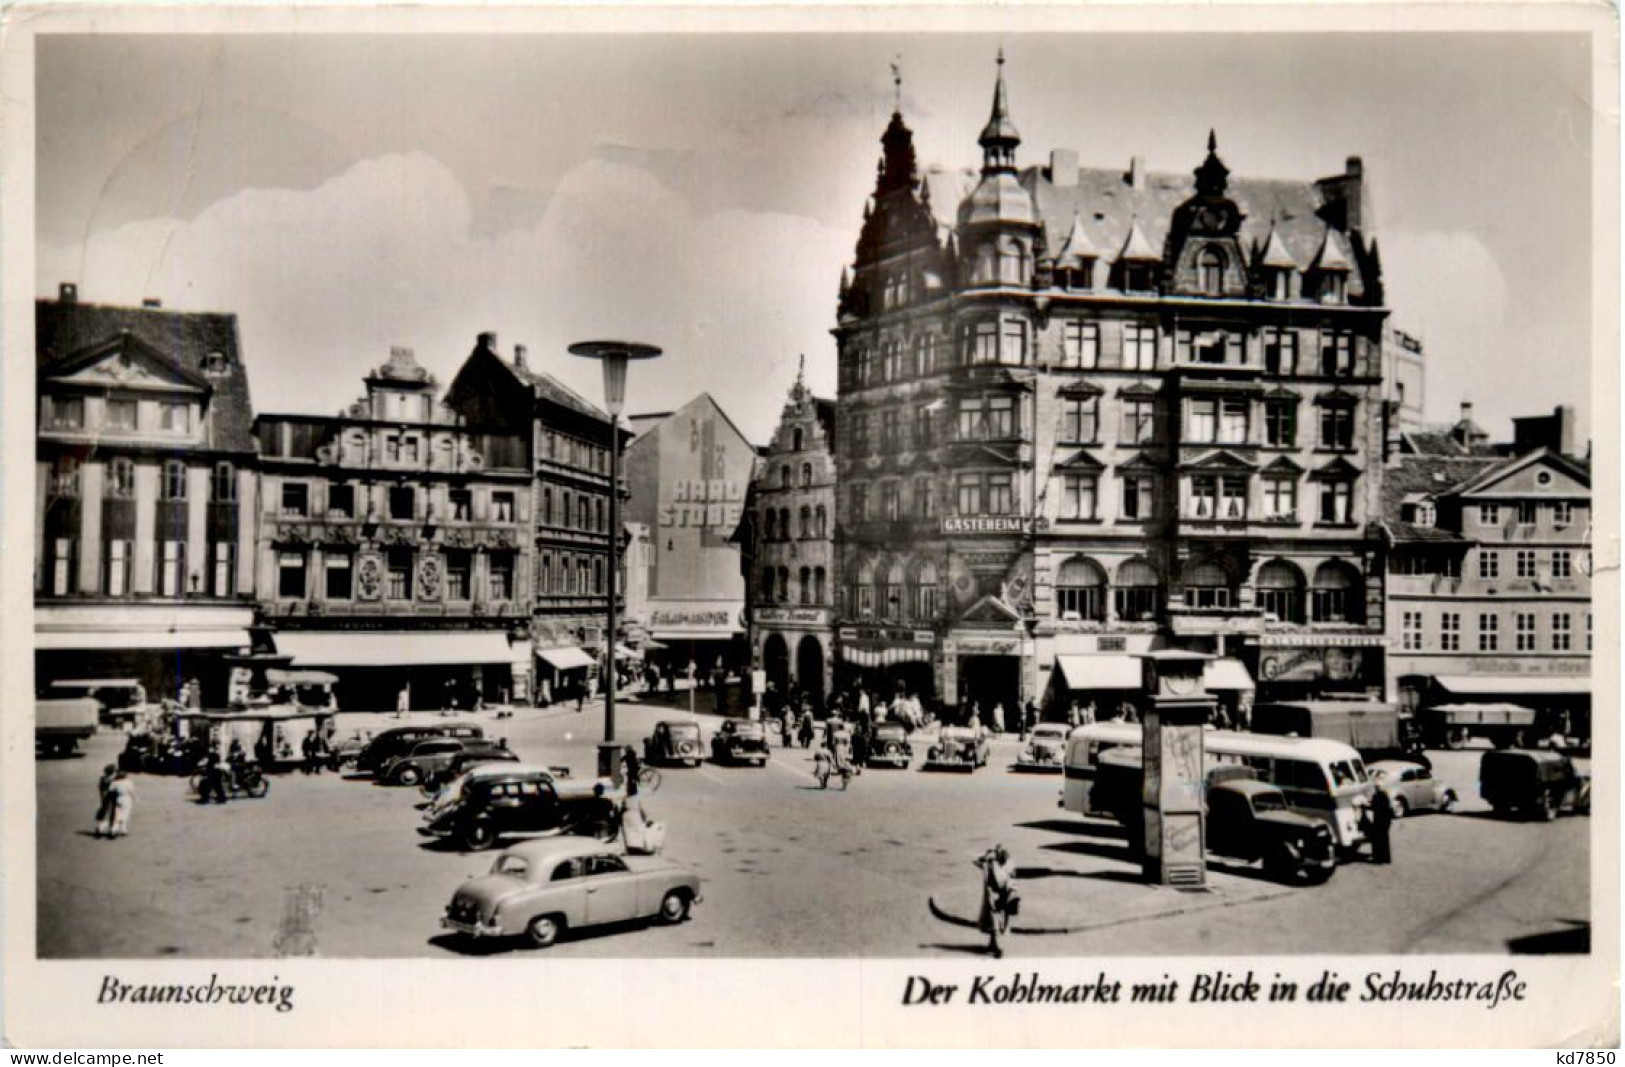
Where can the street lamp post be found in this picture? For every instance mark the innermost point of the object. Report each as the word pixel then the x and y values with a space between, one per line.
pixel 614 355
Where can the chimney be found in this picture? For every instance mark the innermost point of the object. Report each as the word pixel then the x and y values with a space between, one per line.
pixel 1567 431
pixel 1063 168
pixel 519 356
pixel 151 302
pixel 1136 172
pixel 1466 411
pixel 488 341
pixel 68 293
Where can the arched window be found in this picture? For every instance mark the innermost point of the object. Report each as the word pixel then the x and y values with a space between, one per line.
pixel 806 473
pixel 821 521
pixel 1137 592
pixel 925 591
pixel 1210 271
pixel 1335 595
pixel 891 591
pixel 784 476
pixel 1280 590
pixel 806 522
pixel 1080 590
pixel 224 486
pixel 784 585
pixel 862 591
pixel 795 439
pixel 805 579
pixel 819 578
pixel 1207 586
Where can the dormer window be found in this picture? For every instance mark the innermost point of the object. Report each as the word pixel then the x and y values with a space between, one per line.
pixel 67 413
pixel 1280 284
pixel 1425 515
pixel 1139 277
pixel 1334 287
pixel 215 363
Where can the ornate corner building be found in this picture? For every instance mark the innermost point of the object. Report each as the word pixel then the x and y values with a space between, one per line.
pixel 1084 412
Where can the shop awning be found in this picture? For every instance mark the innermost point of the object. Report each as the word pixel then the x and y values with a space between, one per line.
pixel 280 677
pixel 1509 684
pixel 567 658
pixel 1226 674
pixel 1101 672
pixel 394 649
pixel 108 640
pixel 623 652
pixel 882 657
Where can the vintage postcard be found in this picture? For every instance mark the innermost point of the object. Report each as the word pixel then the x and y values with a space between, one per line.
pixel 980 526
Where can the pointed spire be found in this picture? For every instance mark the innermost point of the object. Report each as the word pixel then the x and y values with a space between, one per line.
pixel 1077 247
pixel 897 85
pixel 1136 247
pixel 999 137
pixel 1212 177
pixel 1274 253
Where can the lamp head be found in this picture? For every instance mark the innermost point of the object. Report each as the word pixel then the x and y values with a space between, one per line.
pixel 615 355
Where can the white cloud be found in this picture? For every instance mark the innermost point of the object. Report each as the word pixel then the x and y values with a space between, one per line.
pixel 324 281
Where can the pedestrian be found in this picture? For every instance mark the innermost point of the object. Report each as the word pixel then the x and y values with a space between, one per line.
pixel 860 745
pixel 806 728
pixel 999 898
pixel 1030 719
pixel 308 749
pixel 403 700
pixel 631 768
pixel 1379 820
pixel 104 804
pixel 121 797
pixel 581 698
pixel 786 728
pixel 863 703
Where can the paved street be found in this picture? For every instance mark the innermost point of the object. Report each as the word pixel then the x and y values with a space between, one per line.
pixel 336 867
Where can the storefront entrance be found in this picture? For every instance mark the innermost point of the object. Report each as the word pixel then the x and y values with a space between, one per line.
pixel 776 662
pixel 986 682
pixel 809 668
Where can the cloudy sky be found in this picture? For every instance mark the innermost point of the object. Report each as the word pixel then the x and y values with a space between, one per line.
pixel 342 194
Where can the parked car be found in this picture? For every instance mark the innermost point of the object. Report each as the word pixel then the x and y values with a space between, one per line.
pixel 889 746
pixel 1533 783
pixel 740 741
pixel 541 889
pixel 523 801
pixel 434 756
pixel 466 761
pixel 959 746
pixel 674 742
pixel 1249 820
pixel 399 741
pixel 1410 787
pixel 1045 749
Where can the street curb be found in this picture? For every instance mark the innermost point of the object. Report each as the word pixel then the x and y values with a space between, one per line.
pixel 1189 909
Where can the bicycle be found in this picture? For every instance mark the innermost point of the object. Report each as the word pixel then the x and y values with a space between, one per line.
pixel 648 779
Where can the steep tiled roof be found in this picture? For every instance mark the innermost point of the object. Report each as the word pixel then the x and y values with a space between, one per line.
pixel 1429 476
pixel 1108 205
pixel 1445 443
pixel 547 387
pixel 186 337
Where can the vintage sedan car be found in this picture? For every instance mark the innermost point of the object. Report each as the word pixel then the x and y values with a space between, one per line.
pixel 740 741
pixel 1410 787
pixel 489 806
pixel 401 739
pixel 1533 783
pixel 541 889
pixel 435 756
pixel 1249 820
pixel 674 742
pixel 467 760
pixel 1045 749
pixel 959 747
pixel 889 746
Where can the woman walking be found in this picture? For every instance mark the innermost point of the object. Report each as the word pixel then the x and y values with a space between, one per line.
pixel 997 897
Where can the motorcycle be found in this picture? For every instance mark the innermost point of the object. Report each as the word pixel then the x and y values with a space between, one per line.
pixel 243 780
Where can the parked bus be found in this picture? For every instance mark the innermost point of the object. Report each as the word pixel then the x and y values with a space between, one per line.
pixel 1323 779
pixel 1374 729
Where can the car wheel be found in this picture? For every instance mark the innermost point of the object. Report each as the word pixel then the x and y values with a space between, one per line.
pixel 1447 803
pixel 1401 807
pixel 544 930
pixel 258 788
pixel 480 835
pixel 1456 739
pixel 1318 875
pixel 407 775
pixel 1547 809
pixel 674 907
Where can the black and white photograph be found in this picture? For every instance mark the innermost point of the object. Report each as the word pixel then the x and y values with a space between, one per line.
pixel 946 496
